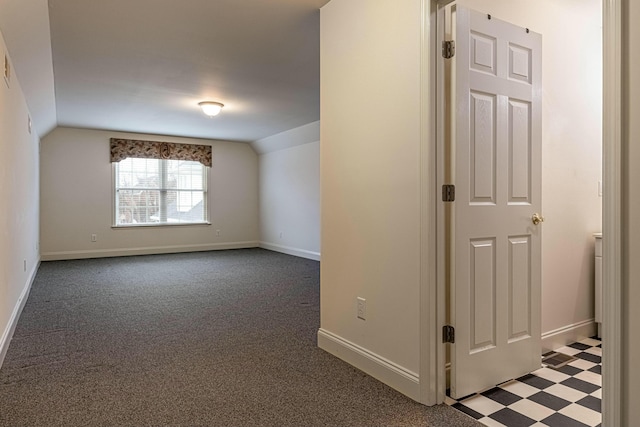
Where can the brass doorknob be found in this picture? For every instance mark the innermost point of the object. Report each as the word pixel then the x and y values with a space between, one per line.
pixel 537 219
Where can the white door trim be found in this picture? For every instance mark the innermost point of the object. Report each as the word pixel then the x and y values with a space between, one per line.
pixel 432 373
pixel 438 379
pixel 432 286
pixel 612 223
pixel 432 308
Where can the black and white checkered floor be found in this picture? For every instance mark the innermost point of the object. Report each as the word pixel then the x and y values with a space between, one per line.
pixel 566 397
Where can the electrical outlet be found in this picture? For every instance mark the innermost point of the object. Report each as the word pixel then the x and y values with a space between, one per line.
pixel 281 234
pixel 94 237
pixel 24 265
pixel 217 232
pixel 362 308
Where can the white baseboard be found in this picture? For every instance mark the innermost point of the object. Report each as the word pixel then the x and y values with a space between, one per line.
pixel 5 339
pixel 149 250
pixel 395 376
pixel 560 337
pixel 291 251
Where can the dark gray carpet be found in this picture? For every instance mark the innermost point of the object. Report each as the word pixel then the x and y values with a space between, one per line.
pixel 225 338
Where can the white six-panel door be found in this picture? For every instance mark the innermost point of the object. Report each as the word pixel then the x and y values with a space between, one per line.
pixel 496 268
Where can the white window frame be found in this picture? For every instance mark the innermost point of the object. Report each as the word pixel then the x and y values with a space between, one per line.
pixel 163 176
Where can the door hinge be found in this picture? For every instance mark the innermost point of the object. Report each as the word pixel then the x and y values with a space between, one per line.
pixel 448 334
pixel 448 193
pixel 448 49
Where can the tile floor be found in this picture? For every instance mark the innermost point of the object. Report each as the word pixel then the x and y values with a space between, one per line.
pixel 566 397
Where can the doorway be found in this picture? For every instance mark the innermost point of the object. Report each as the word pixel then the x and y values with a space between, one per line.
pixel 556 145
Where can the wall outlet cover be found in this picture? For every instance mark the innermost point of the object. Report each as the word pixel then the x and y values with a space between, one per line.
pixel 362 308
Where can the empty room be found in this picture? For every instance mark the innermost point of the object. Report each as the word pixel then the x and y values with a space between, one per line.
pixel 254 213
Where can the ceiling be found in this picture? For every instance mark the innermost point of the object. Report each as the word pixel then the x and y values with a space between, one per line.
pixel 143 65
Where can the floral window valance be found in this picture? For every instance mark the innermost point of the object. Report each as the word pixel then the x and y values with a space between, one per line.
pixel 123 148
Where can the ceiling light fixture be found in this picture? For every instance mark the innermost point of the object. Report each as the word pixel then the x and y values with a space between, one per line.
pixel 211 108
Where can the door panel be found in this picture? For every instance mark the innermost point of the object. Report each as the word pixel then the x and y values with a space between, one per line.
pixel 519 287
pixel 483 294
pixel 482 144
pixel 520 152
pixel 495 270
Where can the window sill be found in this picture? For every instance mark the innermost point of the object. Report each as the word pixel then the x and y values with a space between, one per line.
pixel 177 224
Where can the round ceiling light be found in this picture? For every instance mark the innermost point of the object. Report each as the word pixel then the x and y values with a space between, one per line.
pixel 211 108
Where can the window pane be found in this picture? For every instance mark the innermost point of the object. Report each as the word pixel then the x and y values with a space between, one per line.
pixel 185 206
pixel 140 173
pixel 185 175
pixel 138 206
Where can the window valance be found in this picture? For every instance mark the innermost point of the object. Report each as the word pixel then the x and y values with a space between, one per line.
pixel 123 148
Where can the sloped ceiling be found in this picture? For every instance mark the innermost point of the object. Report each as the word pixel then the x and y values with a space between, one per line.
pixel 143 65
pixel 25 27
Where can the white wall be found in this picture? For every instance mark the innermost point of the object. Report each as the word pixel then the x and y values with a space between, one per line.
pixel 370 185
pixel 18 204
pixel 571 154
pixel 289 180
pixel 631 266
pixel 77 200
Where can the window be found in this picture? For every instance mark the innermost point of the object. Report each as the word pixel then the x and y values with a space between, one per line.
pixel 160 191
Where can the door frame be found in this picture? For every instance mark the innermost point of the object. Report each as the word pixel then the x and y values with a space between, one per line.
pixel 612 212
pixel 432 289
